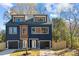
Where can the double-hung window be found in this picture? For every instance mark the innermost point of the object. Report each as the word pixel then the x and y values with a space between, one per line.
pixel 40 30
pixel 39 18
pixel 12 30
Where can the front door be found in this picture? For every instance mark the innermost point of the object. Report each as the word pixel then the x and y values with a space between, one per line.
pixel 33 43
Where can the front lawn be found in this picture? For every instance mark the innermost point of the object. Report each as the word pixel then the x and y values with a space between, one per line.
pixel 69 54
pixel 37 53
pixel 21 52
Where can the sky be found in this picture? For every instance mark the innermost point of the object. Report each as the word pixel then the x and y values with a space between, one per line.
pixel 3 7
pixel 53 10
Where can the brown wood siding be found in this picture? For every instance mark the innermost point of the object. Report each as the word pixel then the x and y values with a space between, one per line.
pixel 23 32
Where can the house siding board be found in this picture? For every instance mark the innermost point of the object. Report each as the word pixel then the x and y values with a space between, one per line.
pixel 30 24
pixel 12 36
pixel 40 36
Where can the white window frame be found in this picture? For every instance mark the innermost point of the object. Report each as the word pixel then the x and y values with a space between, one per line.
pixel 19 19
pixel 46 41
pixel 16 17
pixel 24 44
pixel 40 17
pixel 11 30
pixel 39 33
pixel 32 39
pixel 33 43
pixel 12 41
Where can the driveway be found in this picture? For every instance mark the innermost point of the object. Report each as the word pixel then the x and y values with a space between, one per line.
pixel 7 52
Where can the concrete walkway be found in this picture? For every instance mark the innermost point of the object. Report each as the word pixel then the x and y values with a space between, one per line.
pixel 7 52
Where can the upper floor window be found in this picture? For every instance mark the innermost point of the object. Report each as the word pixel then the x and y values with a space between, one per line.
pixel 12 30
pixel 40 19
pixel 18 18
pixel 40 30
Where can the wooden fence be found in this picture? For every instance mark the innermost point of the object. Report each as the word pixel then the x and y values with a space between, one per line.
pixel 2 46
pixel 58 45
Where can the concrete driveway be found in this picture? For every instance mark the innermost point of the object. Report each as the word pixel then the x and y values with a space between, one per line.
pixel 7 52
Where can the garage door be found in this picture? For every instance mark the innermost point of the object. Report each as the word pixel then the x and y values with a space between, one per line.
pixel 13 45
pixel 44 44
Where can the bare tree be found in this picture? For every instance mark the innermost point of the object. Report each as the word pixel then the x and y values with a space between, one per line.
pixel 71 16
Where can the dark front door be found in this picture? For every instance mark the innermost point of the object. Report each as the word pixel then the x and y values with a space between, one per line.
pixel 44 44
pixel 34 44
pixel 13 45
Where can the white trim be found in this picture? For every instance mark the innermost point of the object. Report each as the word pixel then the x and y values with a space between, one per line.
pixel 34 44
pixel 24 44
pixel 32 39
pixel 40 17
pixel 39 33
pixel 12 41
pixel 12 30
pixel 39 42
pixel 18 17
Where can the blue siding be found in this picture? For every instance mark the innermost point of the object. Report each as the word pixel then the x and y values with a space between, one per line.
pixel 12 36
pixel 40 36
pixel 30 24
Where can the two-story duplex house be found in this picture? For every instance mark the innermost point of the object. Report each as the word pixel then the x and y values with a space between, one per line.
pixel 33 33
